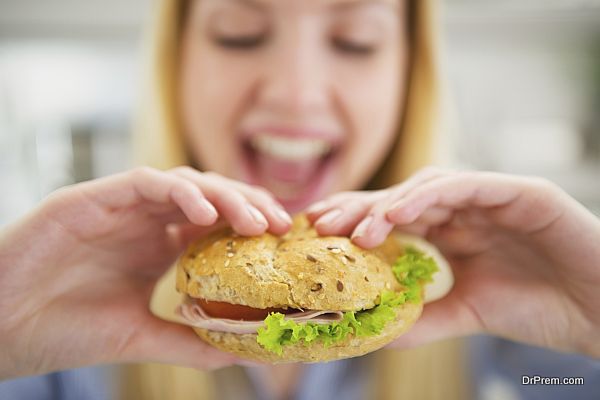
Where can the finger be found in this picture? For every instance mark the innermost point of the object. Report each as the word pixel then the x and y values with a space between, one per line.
pixel 433 216
pixel 415 229
pixel 278 219
pixel 244 217
pixel 341 220
pixel 143 185
pixel 421 177
pixel 375 227
pixel 183 234
pixel 485 190
pixel 316 210
pixel 171 343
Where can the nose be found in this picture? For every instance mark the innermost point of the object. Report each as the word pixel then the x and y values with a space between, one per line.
pixel 295 80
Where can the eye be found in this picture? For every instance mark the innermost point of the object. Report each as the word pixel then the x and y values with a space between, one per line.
pixel 241 42
pixel 352 47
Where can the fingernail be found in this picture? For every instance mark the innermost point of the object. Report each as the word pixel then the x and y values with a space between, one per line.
pixel 209 207
pixel 362 228
pixel 256 215
pixel 330 217
pixel 283 215
pixel 315 208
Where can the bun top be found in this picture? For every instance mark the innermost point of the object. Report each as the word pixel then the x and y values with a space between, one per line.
pixel 298 270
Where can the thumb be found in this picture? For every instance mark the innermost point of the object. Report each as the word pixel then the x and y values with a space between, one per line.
pixel 171 343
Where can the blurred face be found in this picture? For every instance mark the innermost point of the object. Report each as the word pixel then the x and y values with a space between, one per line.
pixel 300 97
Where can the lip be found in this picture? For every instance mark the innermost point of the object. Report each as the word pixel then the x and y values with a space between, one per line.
pixel 315 189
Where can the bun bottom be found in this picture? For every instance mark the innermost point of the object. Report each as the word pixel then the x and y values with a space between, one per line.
pixel 247 347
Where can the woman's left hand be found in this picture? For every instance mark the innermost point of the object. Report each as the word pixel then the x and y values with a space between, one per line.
pixel 525 255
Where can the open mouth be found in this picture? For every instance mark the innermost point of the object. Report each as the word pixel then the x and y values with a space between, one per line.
pixel 297 169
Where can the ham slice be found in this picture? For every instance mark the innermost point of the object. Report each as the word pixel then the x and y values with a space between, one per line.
pixel 193 315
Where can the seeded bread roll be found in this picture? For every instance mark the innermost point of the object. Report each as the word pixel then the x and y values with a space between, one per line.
pixel 247 347
pixel 299 270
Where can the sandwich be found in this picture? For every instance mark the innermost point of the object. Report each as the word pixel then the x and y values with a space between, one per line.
pixel 300 297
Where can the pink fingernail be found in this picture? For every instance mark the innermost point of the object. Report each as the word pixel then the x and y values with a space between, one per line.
pixel 209 207
pixel 256 215
pixel 330 217
pixel 283 215
pixel 315 208
pixel 362 228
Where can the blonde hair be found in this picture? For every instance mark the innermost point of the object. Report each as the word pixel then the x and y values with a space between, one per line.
pixel 430 372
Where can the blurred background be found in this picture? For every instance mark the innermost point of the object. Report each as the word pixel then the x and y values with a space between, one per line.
pixel 523 80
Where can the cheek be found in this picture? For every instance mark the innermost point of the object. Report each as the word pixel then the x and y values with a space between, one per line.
pixel 373 102
pixel 209 106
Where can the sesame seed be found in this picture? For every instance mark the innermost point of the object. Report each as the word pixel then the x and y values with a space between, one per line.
pixel 334 249
pixel 366 279
pixel 344 261
pixel 310 257
pixel 316 287
pixel 349 258
pixel 340 286
pixel 230 254
pixel 227 263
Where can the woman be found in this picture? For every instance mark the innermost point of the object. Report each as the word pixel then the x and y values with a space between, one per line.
pixel 337 72
pixel 305 99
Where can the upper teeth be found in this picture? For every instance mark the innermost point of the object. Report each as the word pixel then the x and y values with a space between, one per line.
pixel 290 149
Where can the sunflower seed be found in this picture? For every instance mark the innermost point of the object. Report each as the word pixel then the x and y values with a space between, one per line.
pixel 316 287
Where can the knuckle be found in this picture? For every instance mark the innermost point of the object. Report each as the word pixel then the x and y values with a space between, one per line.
pixel 183 170
pixel 545 185
pixel 143 172
pixel 59 194
pixel 211 174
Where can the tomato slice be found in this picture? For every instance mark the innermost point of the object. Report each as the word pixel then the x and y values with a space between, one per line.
pixel 218 309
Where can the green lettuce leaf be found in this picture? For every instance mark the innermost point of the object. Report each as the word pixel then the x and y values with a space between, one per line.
pixel 411 269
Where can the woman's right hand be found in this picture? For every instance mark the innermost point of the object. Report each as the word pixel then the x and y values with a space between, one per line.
pixel 76 275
